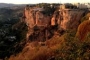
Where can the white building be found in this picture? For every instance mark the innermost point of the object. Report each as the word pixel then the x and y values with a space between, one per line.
pixel 81 6
pixel 88 5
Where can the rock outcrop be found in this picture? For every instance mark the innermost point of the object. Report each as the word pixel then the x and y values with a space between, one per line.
pixel 34 18
pixel 83 30
pixel 67 18
pixel 64 19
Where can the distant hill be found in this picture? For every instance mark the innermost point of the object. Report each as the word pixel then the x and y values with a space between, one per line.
pixel 6 5
pixel 3 5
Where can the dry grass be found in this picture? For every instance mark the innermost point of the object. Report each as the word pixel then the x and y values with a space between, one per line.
pixel 83 29
pixel 65 47
pixel 54 41
pixel 33 51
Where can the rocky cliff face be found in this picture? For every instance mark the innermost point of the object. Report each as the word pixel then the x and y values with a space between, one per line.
pixel 64 18
pixel 67 18
pixel 34 18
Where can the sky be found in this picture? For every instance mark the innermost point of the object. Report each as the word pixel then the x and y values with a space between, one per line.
pixel 43 1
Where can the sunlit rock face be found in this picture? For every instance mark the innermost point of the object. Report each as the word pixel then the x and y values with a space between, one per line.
pixel 34 16
pixel 64 18
pixel 67 18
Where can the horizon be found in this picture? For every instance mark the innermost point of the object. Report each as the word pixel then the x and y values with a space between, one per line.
pixel 43 1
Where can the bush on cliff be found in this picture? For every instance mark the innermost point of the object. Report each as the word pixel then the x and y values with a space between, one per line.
pixel 74 49
pixel 48 11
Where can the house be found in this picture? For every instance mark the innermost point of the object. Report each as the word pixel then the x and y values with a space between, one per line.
pixel 81 6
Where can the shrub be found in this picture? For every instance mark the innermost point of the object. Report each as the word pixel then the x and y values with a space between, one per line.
pixel 74 49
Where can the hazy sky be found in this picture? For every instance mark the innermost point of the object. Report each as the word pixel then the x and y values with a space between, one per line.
pixel 40 1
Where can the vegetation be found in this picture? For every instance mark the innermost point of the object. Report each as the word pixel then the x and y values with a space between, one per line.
pixel 66 47
pixel 10 39
pixel 49 11
pixel 74 49
pixel 10 16
pixel 48 8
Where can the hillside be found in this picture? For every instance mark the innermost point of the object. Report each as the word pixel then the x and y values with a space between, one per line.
pixel 57 48
pixel 3 5
pixel 84 28
pixel 8 38
pixel 55 41
pixel 45 32
pixel 9 5
pixel 10 14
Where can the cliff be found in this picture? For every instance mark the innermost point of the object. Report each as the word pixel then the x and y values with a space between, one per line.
pixel 67 18
pixel 84 28
pixel 48 28
pixel 35 17
pixel 62 18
